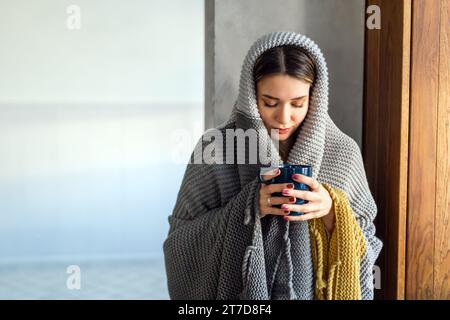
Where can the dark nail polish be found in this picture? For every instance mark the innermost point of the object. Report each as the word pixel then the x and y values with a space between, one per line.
pixel 286 211
pixel 290 185
pixel 291 199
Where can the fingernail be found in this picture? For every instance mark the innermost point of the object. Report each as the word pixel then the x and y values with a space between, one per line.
pixel 286 211
pixel 290 185
pixel 291 199
pixel 284 206
pixel 278 171
pixel 295 176
pixel 286 191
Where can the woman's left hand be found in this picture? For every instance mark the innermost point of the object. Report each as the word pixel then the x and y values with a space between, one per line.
pixel 319 202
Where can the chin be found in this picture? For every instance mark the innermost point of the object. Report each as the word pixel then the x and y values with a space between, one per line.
pixel 281 137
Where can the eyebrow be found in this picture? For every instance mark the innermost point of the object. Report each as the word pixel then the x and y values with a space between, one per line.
pixel 270 97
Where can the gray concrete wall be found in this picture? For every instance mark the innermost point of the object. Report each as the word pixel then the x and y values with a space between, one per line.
pixel 337 26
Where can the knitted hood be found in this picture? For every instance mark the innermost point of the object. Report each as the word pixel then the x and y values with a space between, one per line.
pixel 218 247
pixel 335 159
pixel 309 145
pixel 307 149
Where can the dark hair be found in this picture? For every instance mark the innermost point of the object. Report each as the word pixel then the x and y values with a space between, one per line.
pixel 285 59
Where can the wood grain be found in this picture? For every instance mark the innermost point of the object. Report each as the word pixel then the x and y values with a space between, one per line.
pixel 407 145
pixel 370 149
pixel 422 149
pixel 442 224
pixel 386 123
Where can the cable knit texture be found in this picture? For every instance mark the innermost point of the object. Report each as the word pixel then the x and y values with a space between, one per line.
pixel 337 257
pixel 218 247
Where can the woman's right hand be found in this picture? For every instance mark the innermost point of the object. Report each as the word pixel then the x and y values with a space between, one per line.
pixel 266 201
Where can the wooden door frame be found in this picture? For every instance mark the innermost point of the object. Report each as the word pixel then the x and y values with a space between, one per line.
pixel 406 148
pixel 428 227
pixel 386 134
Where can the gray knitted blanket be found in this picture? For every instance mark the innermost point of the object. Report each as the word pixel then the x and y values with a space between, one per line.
pixel 218 247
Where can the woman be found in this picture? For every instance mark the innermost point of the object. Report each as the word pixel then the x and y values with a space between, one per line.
pixel 226 241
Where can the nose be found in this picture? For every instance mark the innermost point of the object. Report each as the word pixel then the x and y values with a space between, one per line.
pixel 284 114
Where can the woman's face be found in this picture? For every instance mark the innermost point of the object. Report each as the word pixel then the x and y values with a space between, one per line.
pixel 283 103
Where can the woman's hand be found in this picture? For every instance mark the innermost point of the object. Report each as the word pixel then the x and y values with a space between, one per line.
pixel 266 201
pixel 319 202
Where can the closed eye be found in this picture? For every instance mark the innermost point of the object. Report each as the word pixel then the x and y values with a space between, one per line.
pixel 274 105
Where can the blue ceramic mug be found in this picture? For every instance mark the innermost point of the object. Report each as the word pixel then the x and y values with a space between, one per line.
pixel 285 176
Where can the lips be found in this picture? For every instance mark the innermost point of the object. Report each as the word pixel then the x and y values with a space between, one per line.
pixel 283 131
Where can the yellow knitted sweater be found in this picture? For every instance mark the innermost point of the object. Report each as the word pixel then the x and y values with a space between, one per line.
pixel 337 257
